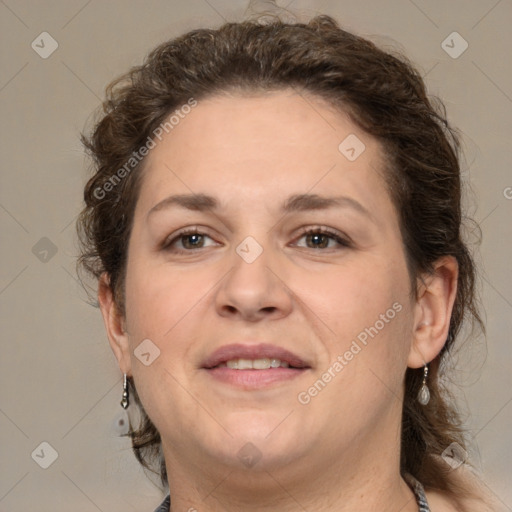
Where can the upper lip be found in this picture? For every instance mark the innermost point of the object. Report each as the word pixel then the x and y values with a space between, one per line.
pixel 252 351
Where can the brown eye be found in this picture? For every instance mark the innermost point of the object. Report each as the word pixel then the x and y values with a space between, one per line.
pixel 186 241
pixel 321 238
pixel 192 241
pixel 318 240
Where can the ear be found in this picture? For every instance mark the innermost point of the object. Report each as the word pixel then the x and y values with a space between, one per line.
pixel 114 324
pixel 433 310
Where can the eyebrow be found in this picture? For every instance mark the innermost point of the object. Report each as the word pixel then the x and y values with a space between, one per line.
pixel 294 203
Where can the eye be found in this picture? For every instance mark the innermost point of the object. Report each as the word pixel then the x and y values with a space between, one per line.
pixel 320 238
pixel 191 239
pixel 186 241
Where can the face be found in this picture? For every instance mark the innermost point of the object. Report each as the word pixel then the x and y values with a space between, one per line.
pixel 294 259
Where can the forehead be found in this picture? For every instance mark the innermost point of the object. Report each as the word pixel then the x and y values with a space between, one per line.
pixel 263 146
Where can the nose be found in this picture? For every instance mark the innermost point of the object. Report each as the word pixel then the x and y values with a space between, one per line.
pixel 254 290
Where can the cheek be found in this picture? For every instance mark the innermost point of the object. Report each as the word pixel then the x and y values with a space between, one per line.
pixel 149 316
pixel 160 307
pixel 369 315
pixel 157 300
pixel 353 298
pixel 367 363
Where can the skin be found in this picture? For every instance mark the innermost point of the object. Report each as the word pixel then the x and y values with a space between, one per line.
pixel 340 451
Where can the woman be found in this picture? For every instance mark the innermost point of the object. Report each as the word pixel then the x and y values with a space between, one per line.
pixel 274 221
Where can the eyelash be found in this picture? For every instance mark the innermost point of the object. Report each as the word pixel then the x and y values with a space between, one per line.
pixel 333 235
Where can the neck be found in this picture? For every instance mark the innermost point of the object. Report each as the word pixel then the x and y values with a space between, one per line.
pixel 266 492
pixel 356 479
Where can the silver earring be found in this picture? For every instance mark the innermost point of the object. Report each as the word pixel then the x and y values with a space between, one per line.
pixel 124 401
pixel 424 393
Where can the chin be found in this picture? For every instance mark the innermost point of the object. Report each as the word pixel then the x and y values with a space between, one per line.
pixel 260 440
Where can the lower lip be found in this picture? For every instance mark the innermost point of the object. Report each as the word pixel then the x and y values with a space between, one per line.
pixel 254 379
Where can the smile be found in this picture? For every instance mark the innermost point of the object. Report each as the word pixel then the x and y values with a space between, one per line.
pixel 254 364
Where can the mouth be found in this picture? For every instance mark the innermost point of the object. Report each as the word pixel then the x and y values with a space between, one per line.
pixel 254 366
pixel 264 363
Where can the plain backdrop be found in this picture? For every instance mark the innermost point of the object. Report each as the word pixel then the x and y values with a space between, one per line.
pixel 59 381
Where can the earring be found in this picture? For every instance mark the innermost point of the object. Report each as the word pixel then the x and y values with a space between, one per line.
pixel 124 401
pixel 424 393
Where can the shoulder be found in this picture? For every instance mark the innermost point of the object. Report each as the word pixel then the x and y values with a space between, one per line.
pixel 439 502
pixel 476 498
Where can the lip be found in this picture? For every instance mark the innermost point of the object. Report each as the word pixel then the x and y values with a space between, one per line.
pixel 253 351
pixel 254 379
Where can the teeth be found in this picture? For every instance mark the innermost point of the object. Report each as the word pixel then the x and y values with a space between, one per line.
pixel 261 364
pixel 256 364
pixel 244 364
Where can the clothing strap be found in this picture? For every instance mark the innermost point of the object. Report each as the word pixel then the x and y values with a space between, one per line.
pixel 419 492
pixel 165 505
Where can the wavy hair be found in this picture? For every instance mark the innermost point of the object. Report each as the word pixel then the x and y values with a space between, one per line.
pixel 382 93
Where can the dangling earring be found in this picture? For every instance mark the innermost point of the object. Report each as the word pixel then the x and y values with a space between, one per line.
pixel 124 401
pixel 424 393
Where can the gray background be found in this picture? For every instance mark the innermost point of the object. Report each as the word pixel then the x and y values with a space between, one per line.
pixel 60 383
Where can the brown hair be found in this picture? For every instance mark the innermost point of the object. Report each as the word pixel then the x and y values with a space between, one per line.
pixel 383 94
